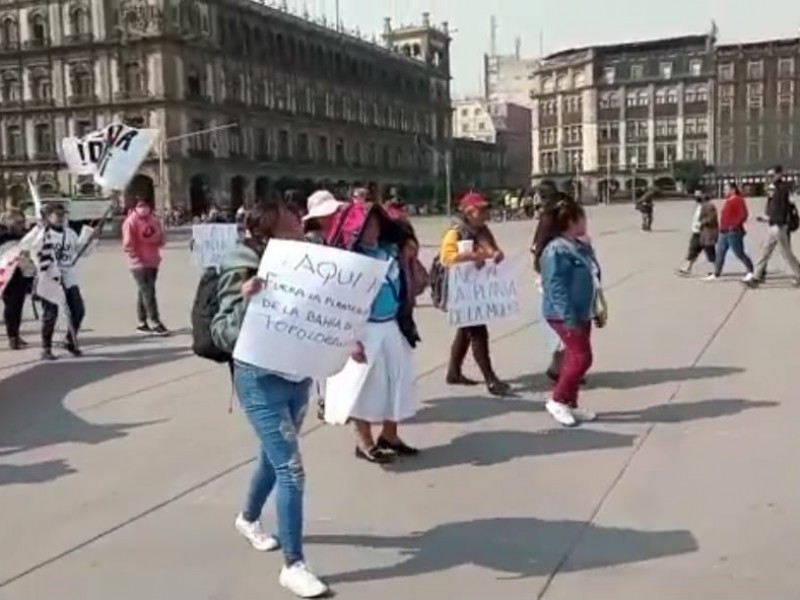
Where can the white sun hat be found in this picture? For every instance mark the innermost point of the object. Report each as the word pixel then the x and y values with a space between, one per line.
pixel 321 204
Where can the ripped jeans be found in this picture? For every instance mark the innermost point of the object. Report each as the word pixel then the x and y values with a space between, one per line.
pixel 276 408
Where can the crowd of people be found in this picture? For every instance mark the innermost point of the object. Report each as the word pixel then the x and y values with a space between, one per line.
pixel 374 392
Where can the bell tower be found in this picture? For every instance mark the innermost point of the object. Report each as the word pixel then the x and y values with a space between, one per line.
pixel 425 42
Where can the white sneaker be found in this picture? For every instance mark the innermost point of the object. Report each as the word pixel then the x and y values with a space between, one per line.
pixel 561 413
pixel 748 278
pixel 583 415
pixel 252 533
pixel 299 580
pixel 711 277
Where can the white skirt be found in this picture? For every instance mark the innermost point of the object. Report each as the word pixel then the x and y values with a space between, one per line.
pixel 382 389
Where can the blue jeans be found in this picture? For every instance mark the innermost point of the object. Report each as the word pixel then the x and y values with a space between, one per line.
pixel 276 408
pixel 734 241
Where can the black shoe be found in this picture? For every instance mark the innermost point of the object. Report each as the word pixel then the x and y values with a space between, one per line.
pixel 498 388
pixel 17 343
pixel 374 455
pixel 159 329
pixel 144 328
pixel 48 355
pixel 73 349
pixel 400 448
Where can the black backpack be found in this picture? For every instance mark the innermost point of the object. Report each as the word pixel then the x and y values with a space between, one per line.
pixel 204 309
pixel 793 220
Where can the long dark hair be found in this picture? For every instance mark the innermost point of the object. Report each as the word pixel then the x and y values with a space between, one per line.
pixel 555 220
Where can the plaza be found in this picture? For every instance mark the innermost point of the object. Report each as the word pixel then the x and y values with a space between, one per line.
pixel 121 473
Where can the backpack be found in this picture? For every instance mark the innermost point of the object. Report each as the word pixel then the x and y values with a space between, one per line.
pixel 793 219
pixel 204 309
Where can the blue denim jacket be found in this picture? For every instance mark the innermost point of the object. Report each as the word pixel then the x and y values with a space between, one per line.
pixel 568 282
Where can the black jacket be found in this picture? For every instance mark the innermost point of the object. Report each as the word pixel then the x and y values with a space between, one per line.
pixel 779 203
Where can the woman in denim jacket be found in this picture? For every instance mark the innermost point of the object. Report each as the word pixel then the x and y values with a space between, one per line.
pixel 570 283
pixel 275 405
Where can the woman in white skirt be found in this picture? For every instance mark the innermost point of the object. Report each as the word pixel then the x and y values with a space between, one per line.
pixel 376 385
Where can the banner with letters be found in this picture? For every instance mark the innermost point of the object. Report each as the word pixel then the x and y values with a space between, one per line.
pixel 211 242
pixel 315 302
pixel 112 155
pixel 479 296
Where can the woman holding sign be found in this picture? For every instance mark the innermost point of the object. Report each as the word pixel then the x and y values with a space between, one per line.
pixel 376 385
pixel 275 405
pixel 471 240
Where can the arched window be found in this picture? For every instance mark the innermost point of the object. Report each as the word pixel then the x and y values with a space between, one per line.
pixel 12 89
pixel 10 32
pixel 38 29
pixel 134 78
pixel 79 22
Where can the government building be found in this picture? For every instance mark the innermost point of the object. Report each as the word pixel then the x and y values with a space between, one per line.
pixel 250 99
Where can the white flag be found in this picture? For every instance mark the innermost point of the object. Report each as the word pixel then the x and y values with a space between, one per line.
pixel 37 200
pixel 82 155
pixel 126 149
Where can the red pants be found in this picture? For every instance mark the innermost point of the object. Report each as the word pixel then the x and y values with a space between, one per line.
pixel 577 360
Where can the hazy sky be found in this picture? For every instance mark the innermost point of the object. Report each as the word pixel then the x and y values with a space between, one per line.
pixel 564 23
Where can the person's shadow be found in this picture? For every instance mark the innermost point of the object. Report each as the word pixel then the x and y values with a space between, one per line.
pixel 514 547
pixel 469 409
pixel 681 412
pixel 489 448
pixel 626 380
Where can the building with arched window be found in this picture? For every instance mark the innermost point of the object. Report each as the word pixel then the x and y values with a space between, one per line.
pixel 250 98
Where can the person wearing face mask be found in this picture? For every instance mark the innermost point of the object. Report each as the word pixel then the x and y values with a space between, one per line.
pixel 570 277
pixel 19 285
pixel 58 249
pixel 142 240
pixel 471 240
pixel 274 403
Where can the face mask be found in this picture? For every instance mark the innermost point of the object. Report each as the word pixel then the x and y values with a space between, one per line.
pixel 143 211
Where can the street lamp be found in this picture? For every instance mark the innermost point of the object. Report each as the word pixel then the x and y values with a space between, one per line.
pixel 162 149
pixel 447 157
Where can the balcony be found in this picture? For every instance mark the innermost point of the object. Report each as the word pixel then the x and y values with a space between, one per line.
pixel 36 44
pixel 201 153
pixel 75 39
pixel 82 99
pixel 124 95
pixel 45 157
pixel 40 102
pixel 16 156
pixel 9 45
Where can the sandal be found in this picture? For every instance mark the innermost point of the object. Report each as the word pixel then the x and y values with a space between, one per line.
pixel 400 448
pixel 374 455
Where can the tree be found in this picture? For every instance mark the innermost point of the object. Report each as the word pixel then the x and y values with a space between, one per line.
pixel 690 173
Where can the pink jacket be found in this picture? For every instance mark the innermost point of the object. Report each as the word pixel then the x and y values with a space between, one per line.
pixel 142 239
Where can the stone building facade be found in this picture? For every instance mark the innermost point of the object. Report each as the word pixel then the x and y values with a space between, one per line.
pixel 508 126
pixel 250 98
pixel 618 117
pixel 757 109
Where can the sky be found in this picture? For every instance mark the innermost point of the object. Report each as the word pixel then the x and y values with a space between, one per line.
pixel 562 24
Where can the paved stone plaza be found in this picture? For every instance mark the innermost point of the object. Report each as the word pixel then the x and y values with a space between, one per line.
pixel 121 473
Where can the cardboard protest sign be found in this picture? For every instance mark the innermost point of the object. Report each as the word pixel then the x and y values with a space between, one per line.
pixel 479 296
pixel 315 302
pixel 211 241
pixel 126 149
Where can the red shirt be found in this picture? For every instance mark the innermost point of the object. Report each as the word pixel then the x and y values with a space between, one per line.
pixel 734 214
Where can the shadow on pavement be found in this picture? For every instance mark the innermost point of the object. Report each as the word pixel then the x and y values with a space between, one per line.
pixel 517 547
pixel 36 473
pixel 681 412
pixel 625 380
pixel 488 448
pixel 468 409
pixel 32 414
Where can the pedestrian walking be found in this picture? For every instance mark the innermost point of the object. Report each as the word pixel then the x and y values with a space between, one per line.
pixel 275 405
pixel 704 233
pixel 142 240
pixel 732 218
pixel 782 217
pixel 471 240
pixel 645 205
pixel 20 283
pixel 569 282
